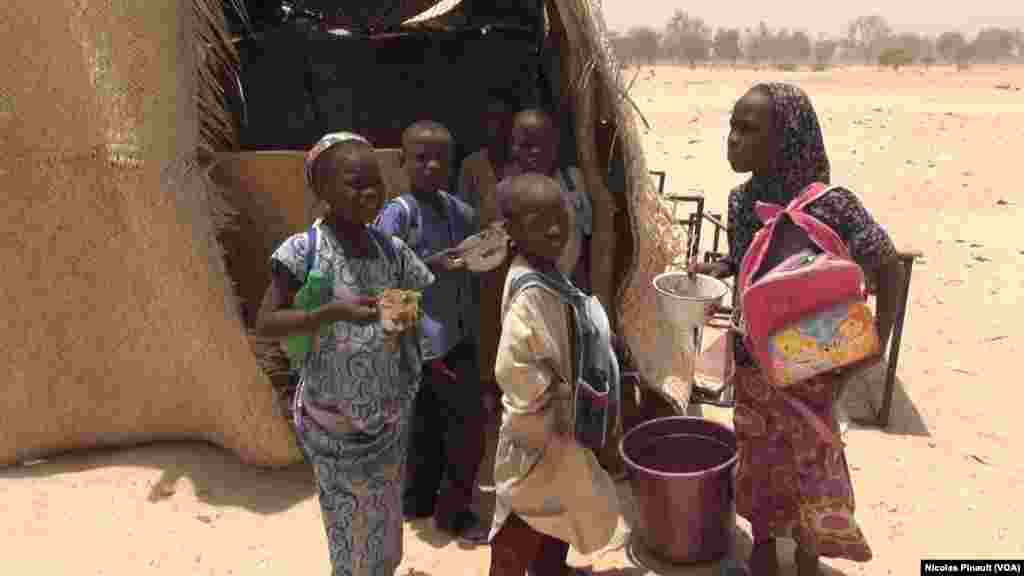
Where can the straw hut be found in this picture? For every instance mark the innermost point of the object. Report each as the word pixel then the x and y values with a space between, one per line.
pixel 140 211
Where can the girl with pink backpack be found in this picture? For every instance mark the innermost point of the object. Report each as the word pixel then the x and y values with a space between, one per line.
pixel 803 253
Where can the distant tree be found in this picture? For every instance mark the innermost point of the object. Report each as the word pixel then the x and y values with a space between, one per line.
pixel 966 55
pixel 949 44
pixel 757 43
pixel 788 46
pixel 994 44
pixel 687 38
pixel 779 46
pixel 727 45
pixel 825 50
pixel 760 44
pixel 866 36
pixel 643 44
pixel 800 46
pixel 913 45
pixel 748 44
pixel 895 58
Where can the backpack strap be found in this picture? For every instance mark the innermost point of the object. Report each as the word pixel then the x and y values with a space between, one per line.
pixel 454 216
pixel 385 243
pixel 814 191
pixel 563 288
pixel 820 233
pixel 412 210
pixel 567 178
pixel 312 247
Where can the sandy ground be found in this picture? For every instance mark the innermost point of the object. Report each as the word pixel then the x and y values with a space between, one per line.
pixel 931 153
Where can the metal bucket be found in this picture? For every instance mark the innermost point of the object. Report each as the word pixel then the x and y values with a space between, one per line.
pixel 685 301
pixel 682 480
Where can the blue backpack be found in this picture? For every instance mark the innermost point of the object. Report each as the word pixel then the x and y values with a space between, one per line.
pixel 597 390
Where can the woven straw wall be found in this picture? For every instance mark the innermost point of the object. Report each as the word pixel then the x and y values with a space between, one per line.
pixel 121 326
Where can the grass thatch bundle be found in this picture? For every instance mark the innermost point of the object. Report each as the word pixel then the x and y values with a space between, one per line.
pixel 641 226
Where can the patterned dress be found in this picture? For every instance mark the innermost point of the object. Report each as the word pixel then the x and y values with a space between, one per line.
pixel 789 482
pixel 355 376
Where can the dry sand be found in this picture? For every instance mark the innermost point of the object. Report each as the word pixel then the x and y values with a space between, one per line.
pixel 931 153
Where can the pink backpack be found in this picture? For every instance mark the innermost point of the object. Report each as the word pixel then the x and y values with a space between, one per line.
pixel 803 299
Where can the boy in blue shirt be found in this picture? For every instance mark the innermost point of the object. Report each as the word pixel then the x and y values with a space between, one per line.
pixel 448 429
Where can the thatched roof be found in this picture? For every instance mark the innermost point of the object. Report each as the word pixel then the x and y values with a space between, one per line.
pixel 217 67
pixel 137 336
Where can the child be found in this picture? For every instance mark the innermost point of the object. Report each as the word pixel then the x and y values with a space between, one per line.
pixel 449 420
pixel 534 148
pixel 353 406
pixel 551 491
pixel 788 483
pixel 478 181
pixel 482 170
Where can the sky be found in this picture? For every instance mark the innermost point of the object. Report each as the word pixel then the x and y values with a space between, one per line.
pixel 813 16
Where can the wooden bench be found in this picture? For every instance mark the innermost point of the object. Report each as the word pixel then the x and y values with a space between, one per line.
pixel 881 419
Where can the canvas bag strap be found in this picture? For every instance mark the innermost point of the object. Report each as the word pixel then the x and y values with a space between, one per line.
pixel 569 294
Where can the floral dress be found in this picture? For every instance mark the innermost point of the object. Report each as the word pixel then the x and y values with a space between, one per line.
pixel 369 388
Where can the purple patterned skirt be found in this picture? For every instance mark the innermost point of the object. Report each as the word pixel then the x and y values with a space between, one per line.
pixel 790 479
